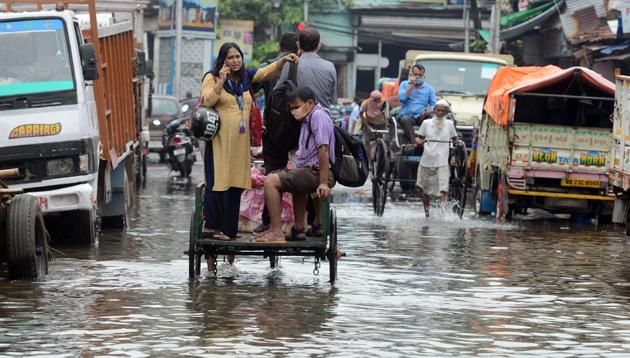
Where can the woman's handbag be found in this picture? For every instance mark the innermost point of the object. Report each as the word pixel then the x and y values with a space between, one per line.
pixel 255 123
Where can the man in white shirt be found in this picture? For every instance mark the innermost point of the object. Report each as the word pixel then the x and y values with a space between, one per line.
pixel 433 172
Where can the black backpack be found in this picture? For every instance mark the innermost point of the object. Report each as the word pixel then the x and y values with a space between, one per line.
pixel 351 167
pixel 280 126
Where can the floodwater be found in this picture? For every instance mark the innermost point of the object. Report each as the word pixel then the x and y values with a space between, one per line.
pixel 408 287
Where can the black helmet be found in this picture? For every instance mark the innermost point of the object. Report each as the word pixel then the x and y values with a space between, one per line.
pixel 205 123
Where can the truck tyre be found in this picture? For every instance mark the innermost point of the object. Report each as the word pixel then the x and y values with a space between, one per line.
pixel 85 232
pixel 140 168
pixel 27 239
pixel 479 197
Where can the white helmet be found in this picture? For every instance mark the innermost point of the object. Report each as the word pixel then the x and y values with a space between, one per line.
pixel 205 123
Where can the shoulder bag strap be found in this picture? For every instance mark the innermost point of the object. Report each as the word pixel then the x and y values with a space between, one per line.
pixel 293 72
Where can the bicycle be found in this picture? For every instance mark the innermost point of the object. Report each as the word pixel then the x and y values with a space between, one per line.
pixel 458 162
pixel 381 169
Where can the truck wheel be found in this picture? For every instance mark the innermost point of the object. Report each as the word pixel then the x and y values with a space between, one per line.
pixel 27 239
pixel 144 170
pixel 479 197
pixel 85 231
pixel 140 169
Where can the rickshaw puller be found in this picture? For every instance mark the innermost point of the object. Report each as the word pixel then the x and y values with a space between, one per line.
pixel 433 171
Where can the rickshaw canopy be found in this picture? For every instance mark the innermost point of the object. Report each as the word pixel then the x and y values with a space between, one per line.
pixel 511 80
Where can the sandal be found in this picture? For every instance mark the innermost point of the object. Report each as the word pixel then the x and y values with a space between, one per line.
pixel 268 238
pixel 314 231
pixel 296 235
pixel 214 235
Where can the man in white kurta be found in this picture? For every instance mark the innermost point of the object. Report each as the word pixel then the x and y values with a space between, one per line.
pixel 436 134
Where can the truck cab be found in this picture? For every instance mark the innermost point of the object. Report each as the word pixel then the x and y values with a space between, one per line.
pixel 71 111
pixel 47 112
pixel 462 79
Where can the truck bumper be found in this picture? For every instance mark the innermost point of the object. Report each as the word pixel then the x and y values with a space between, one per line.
pixel 76 197
pixel 561 195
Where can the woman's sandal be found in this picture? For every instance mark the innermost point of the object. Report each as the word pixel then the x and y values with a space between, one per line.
pixel 214 235
pixel 314 231
pixel 296 235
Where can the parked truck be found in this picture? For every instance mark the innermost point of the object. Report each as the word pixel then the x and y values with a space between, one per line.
pixel 71 113
pixel 619 170
pixel 545 141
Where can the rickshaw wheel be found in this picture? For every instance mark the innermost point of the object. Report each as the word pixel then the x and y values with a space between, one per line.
pixel 332 247
pixel 463 202
pixel 458 194
pixel 273 261
pixel 380 176
pixel 194 259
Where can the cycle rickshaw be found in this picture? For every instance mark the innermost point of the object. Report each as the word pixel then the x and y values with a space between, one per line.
pixel 323 248
pixel 385 155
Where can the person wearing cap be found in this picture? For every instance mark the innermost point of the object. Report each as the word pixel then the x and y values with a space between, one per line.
pixel 433 171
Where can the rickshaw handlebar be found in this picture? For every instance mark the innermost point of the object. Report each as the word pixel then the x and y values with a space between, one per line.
pixel 438 141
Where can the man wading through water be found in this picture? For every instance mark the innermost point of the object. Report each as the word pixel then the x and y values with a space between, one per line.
pixel 434 172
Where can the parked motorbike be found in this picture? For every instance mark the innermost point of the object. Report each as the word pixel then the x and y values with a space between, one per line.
pixel 179 143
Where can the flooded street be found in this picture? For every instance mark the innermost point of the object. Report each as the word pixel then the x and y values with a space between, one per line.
pixel 408 287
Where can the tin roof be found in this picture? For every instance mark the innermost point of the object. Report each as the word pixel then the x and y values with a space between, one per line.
pixel 583 22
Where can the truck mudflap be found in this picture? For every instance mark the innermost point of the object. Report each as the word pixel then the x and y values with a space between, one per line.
pixel 76 197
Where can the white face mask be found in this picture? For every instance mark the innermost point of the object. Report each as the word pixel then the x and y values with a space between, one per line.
pixel 300 113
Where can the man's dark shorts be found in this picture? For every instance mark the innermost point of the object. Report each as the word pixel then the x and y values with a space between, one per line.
pixel 415 121
pixel 302 180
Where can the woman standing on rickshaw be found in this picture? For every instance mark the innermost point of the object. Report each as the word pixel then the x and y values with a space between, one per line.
pixel 227 157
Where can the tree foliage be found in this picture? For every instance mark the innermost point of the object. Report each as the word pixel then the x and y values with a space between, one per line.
pixel 265 15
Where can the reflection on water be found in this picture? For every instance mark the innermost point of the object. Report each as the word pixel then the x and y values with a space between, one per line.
pixel 409 286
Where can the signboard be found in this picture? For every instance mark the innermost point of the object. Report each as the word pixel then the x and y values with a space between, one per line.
pixel 625 19
pixel 239 31
pixel 369 60
pixel 197 15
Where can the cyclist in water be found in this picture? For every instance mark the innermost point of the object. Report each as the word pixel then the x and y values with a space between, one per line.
pixel 374 114
pixel 434 172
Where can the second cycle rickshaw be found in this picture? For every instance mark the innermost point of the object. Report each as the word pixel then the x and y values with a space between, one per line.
pixel 385 155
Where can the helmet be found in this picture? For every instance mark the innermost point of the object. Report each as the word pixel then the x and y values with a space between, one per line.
pixel 205 123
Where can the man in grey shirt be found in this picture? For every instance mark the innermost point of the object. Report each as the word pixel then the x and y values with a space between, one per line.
pixel 313 71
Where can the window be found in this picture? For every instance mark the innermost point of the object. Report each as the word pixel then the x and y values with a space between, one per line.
pixel 36 57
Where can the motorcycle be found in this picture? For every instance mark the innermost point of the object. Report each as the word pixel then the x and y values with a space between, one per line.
pixel 179 143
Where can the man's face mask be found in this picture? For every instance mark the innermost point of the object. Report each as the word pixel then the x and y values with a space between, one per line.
pixel 419 80
pixel 301 112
